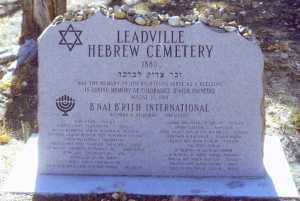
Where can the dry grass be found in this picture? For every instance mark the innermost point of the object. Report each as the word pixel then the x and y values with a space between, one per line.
pixel 295 119
pixel 5 86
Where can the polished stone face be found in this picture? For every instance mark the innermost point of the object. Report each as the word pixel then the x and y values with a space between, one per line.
pixel 121 99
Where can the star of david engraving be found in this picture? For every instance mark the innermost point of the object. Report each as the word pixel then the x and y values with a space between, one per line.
pixel 70 37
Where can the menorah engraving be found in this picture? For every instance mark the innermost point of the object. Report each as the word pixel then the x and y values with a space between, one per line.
pixel 65 104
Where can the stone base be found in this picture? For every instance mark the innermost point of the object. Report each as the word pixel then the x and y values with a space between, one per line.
pixel 278 182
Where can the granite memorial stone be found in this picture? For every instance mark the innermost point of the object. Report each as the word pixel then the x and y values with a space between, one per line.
pixel 121 99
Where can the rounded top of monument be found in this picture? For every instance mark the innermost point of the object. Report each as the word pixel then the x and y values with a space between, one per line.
pixel 141 15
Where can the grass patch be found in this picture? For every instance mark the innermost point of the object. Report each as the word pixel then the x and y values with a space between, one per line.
pixel 5 86
pixel 5 136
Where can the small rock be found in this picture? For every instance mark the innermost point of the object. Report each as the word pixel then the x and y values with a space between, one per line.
pixel 211 18
pixel 284 55
pixel 191 18
pixel 125 8
pixel 115 196
pixel 221 11
pixel 124 197
pixel 6 92
pixel 104 2
pixel 131 2
pixel 78 18
pixel 196 12
pixel 140 20
pixel 230 28
pixel 247 36
pixel 203 19
pixel 160 2
pixel 242 29
pixel 141 8
pixel 131 12
pixel 119 13
pixel 24 84
pixel 155 22
pixel 163 18
pixel 174 21
pixel 243 13
pixel 232 23
pixel 68 16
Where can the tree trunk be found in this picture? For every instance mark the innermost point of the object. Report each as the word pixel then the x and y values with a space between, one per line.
pixel 28 25
pixel 61 7
pixel 38 14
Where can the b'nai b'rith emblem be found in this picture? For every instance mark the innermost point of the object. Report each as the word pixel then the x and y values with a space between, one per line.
pixel 65 104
